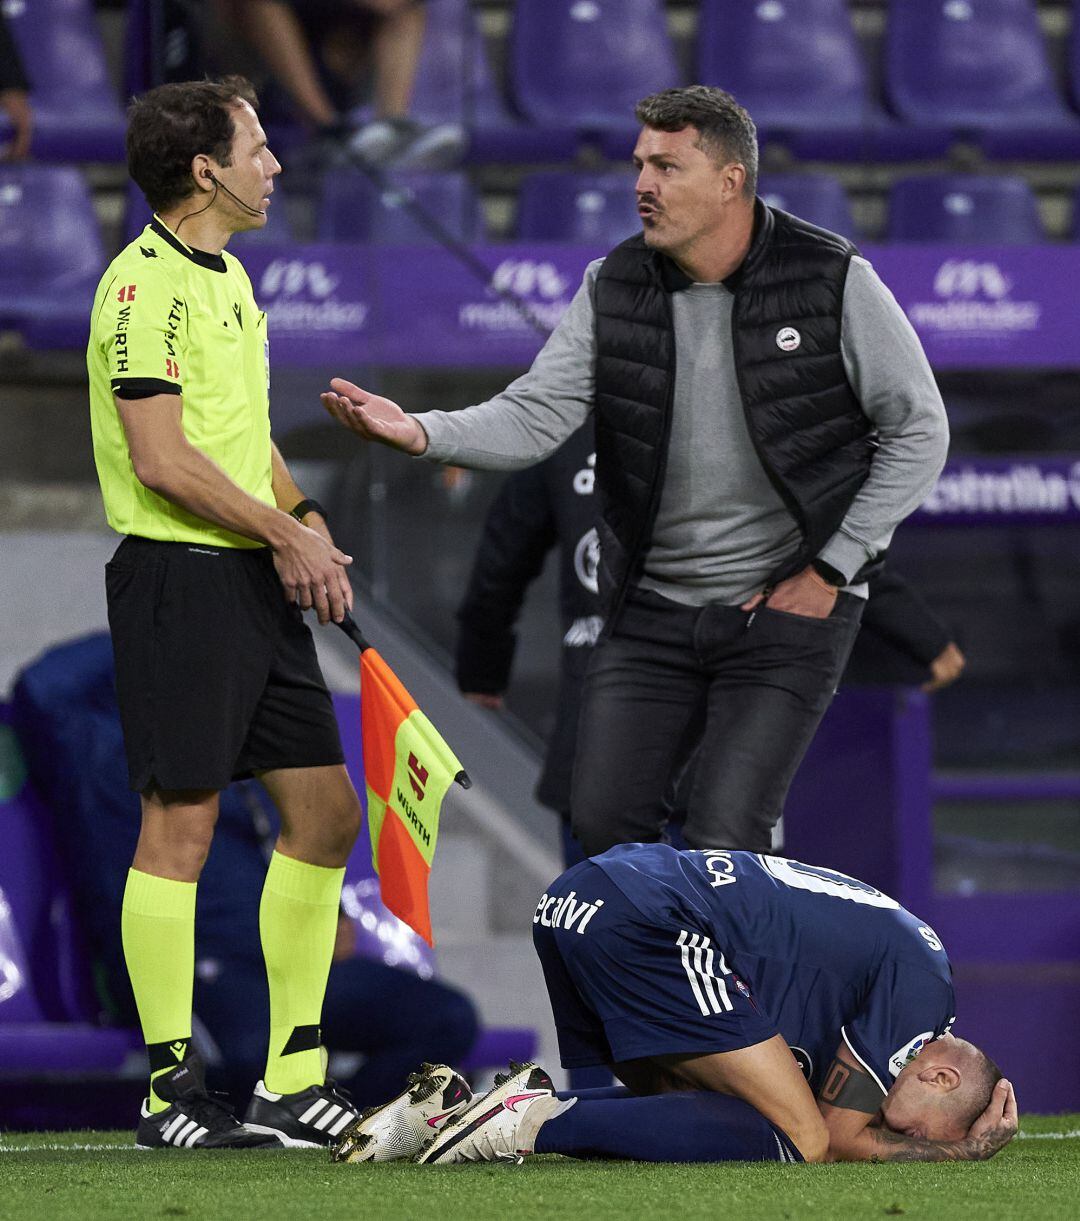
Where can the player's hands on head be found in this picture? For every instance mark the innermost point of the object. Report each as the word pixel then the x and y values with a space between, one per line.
pixel 373 417
pixel 312 573
pixel 996 1126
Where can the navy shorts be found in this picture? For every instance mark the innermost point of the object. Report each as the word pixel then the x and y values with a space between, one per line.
pixel 626 985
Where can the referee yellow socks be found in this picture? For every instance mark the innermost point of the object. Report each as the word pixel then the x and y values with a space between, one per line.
pixel 158 930
pixel 298 922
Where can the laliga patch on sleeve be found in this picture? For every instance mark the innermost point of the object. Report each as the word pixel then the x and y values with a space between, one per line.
pixel 908 1052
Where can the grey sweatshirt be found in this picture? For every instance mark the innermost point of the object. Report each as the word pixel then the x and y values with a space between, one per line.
pixel 721 528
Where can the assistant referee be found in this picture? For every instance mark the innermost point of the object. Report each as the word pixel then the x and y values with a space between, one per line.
pixel 216 671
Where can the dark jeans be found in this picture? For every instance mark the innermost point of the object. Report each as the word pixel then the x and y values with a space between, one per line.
pixel 745 690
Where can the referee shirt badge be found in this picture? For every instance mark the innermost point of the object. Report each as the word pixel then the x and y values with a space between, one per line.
pixel 788 339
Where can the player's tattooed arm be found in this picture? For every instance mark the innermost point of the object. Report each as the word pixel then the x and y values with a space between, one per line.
pixel 897 1147
pixel 857 1135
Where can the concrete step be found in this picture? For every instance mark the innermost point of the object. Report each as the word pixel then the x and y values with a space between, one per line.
pixel 460 888
pixel 502 975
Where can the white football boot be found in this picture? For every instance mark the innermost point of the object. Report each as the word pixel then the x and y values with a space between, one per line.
pixel 405 1126
pixel 500 1125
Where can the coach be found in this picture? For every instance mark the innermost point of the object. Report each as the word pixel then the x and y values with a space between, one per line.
pixel 765 418
pixel 216 671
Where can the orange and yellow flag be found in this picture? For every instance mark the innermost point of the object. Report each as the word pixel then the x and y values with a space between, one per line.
pixel 408 769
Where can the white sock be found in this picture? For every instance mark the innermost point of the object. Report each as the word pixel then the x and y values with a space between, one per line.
pixel 535 1115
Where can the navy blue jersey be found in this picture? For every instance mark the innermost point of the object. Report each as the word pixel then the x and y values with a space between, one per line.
pixel 823 957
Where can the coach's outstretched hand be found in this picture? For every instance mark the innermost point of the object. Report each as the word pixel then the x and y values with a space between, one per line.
pixel 312 572
pixel 996 1126
pixel 372 417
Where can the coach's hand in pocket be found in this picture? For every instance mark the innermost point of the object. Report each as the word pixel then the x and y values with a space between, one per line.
pixel 805 594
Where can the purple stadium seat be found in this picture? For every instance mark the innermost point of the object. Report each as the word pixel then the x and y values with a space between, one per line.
pixel 51 254
pixel 980 67
pixel 584 64
pixel 277 228
pixel 353 209
pixel 45 997
pixel 77 114
pixel 592 209
pixel 818 198
pixel 797 66
pixel 791 64
pixel 965 209
pixel 454 84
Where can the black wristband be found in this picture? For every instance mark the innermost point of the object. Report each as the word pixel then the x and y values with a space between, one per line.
pixel 833 576
pixel 307 506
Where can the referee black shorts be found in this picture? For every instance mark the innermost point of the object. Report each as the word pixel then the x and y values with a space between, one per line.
pixel 216 674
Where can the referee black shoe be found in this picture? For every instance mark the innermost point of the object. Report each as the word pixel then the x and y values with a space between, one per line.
pixel 195 1118
pixel 309 1119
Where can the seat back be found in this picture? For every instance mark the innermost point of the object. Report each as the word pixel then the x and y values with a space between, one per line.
pixel 964 208
pixel 593 209
pixel 353 209
pixel 969 63
pixel 454 82
pixel 818 198
pixel 63 53
pixel 586 63
pixel 49 232
pixel 791 63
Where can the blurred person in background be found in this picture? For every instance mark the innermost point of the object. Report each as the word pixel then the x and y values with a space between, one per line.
pixel 14 96
pixel 765 418
pixel 318 51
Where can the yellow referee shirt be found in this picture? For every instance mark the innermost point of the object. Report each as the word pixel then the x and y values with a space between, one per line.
pixel 172 320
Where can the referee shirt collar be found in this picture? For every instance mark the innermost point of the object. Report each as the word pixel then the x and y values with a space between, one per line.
pixel 212 262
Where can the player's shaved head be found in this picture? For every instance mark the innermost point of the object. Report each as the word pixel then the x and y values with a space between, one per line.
pixel 941 1093
pixel 978 1076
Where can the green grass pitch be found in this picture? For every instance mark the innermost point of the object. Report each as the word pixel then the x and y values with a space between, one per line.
pixel 92 1175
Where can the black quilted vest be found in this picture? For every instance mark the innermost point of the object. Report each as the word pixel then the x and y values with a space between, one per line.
pixel 810 433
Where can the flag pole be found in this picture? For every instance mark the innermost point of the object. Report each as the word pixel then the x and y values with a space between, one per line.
pixel 349 626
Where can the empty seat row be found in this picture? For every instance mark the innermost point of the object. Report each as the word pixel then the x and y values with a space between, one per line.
pixel 968 68
pixel 600 208
pixel 975 68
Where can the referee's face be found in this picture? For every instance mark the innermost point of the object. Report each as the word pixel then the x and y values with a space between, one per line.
pixel 251 172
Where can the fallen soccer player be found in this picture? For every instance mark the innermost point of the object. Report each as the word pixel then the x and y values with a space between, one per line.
pixel 755 1008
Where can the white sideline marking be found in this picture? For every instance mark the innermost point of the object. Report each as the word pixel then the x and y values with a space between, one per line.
pixel 1073 1135
pixel 56 1147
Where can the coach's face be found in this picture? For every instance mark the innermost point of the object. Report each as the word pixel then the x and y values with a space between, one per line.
pixel 684 193
pixel 914 1105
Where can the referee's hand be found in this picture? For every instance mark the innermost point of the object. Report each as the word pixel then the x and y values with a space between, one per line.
pixel 312 573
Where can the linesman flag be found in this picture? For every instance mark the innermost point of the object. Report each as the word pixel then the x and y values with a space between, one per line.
pixel 408 769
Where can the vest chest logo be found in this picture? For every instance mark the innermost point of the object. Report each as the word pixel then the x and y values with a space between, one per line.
pixel 788 339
